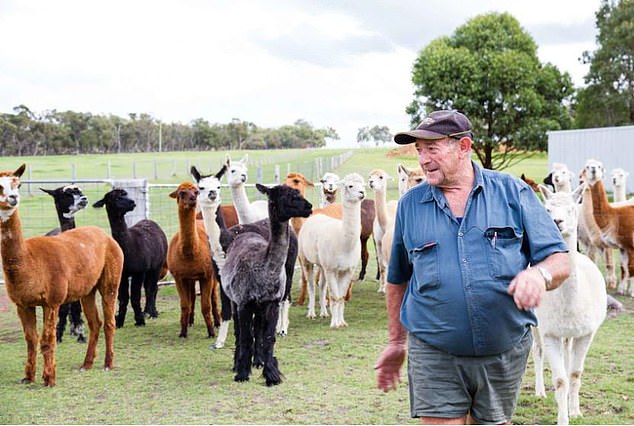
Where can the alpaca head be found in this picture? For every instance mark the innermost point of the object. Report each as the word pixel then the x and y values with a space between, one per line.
pixel 329 182
pixel 619 176
pixel 593 171
pixel 285 202
pixel 408 178
pixel 209 187
pixel 563 208
pixel 186 196
pixel 377 180
pixel 353 188
pixel 117 203
pixel 9 194
pixel 299 182
pixel 237 171
pixel 68 199
pixel 561 177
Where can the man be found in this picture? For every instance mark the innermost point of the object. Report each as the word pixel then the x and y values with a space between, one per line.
pixel 460 292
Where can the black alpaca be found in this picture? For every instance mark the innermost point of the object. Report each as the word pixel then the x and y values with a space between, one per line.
pixel 68 201
pixel 253 277
pixel 144 248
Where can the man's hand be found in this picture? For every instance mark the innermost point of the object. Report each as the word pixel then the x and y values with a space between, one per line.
pixel 528 288
pixel 388 366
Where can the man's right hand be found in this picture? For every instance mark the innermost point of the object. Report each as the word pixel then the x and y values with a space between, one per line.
pixel 388 366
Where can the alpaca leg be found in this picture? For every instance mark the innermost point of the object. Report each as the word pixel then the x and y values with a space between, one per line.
pixel 124 297
pixel 283 321
pixel 108 307
pixel 323 292
pixel 184 288
pixel 303 287
pixel 89 305
pixel 76 322
pixel 236 335
pixel 307 272
pixel 580 347
pixel 333 297
pixel 192 299
pixel 245 345
pixel 48 344
pixel 150 284
pixel 29 327
pixel 135 297
pixel 216 309
pixel 64 310
pixel 205 306
pixel 609 267
pixel 538 360
pixel 259 329
pixel 344 281
pixel 223 331
pixel 554 347
pixel 271 372
pixel 364 258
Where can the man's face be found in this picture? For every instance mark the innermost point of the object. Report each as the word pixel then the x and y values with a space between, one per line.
pixel 439 159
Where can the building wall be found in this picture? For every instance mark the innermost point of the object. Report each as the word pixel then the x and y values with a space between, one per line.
pixel 613 146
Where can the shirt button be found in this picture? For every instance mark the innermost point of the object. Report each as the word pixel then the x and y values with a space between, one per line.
pixel 460 234
pixel 464 260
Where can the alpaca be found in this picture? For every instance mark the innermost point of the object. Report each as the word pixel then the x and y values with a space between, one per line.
pixel 254 277
pixel 189 260
pixel 619 178
pixel 144 248
pixel 384 222
pixel 328 194
pixel 570 315
pixel 49 271
pixel 408 178
pixel 589 234
pixel 68 200
pixel 236 178
pixel 615 224
pixel 530 182
pixel 332 244
pixel 561 178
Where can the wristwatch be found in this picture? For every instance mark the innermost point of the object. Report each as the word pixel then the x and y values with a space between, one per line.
pixel 548 278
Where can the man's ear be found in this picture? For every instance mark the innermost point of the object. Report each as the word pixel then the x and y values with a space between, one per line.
pixel 464 144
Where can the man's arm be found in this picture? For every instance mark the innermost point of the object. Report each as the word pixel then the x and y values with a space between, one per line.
pixel 529 286
pixel 389 364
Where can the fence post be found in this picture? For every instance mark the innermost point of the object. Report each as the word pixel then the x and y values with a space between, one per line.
pixel 138 190
pixel 155 169
pixel 74 171
pixel 276 177
pixel 108 169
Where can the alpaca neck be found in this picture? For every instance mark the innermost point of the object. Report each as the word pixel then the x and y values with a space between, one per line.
pixel 12 248
pixel 563 187
pixel 331 197
pixel 241 203
pixel 187 230
pixel 208 211
pixel 277 250
pixel 119 229
pixel 380 202
pixel 65 222
pixel 619 193
pixel 352 222
pixel 601 208
pixel 296 223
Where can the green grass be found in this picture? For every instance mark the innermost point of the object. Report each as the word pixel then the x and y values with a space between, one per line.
pixel 329 377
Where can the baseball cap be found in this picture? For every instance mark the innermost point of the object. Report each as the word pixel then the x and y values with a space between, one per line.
pixel 437 125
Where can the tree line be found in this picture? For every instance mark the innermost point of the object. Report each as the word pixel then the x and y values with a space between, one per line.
pixel 68 132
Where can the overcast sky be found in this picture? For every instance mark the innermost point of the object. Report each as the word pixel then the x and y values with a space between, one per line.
pixel 341 64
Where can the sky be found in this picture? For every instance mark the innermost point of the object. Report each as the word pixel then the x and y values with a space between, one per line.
pixel 334 63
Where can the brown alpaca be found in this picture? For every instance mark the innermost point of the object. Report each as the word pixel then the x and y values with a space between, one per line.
pixel 299 182
pixel 50 271
pixel 189 260
pixel 616 225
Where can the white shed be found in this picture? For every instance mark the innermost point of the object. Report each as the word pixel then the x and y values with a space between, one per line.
pixel 613 146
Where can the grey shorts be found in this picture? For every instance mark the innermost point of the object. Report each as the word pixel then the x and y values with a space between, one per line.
pixel 449 386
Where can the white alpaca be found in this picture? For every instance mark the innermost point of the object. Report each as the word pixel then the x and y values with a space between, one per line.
pixel 589 234
pixel 383 221
pixel 570 315
pixel 561 177
pixel 408 177
pixel 236 178
pixel 333 245
pixel 619 180
pixel 328 194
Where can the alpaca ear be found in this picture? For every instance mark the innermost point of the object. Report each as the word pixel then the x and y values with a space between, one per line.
pixel 100 203
pixel 227 160
pixel 195 173
pixel 547 193
pixel 577 194
pixel 263 189
pixel 48 191
pixel 309 183
pixel 221 172
pixel 19 171
pixel 174 194
pixel 245 159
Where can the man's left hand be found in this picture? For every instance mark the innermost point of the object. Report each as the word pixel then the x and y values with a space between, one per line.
pixel 527 288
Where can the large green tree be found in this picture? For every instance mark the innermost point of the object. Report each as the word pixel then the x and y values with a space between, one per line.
pixel 489 70
pixel 608 98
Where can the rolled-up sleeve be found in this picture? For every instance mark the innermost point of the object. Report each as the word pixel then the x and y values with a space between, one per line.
pixel 399 268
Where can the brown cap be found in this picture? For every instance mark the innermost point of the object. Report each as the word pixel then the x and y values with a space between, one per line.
pixel 437 125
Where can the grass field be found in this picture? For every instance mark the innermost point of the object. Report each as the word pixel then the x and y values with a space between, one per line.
pixel 329 377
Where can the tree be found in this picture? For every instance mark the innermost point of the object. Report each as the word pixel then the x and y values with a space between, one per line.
pixel 489 70
pixel 608 98
pixel 376 134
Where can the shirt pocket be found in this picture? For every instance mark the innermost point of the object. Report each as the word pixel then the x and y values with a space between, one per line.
pixel 505 258
pixel 425 265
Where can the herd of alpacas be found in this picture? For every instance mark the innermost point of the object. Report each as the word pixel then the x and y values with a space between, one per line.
pixel 241 259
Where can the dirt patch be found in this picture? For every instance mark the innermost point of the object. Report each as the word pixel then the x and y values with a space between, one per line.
pixel 403 151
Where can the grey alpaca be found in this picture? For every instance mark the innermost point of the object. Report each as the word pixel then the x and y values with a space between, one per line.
pixel 254 279
pixel 68 200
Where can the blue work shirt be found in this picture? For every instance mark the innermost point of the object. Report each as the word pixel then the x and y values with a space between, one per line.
pixel 459 271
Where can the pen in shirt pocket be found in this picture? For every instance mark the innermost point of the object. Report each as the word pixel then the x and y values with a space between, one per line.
pixel 495 238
